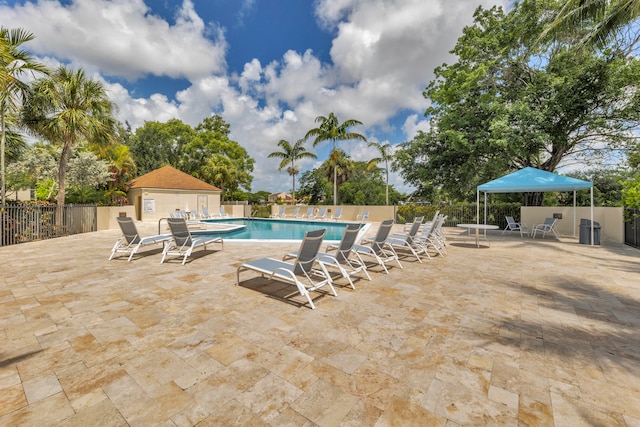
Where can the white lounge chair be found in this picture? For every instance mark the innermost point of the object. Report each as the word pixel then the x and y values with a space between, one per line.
pixel 307 215
pixel 300 272
pixel 512 225
pixel 346 261
pixel 223 214
pixel 548 226
pixel 406 241
pixel 131 241
pixel 378 248
pixel 337 215
pixel 432 237
pixel 363 216
pixel 280 213
pixel 295 213
pixel 205 213
pixel 182 243
pixel 321 215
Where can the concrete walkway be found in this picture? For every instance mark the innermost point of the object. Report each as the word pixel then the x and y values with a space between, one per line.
pixel 542 333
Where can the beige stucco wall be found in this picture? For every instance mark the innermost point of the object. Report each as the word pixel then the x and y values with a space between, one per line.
pixel 162 202
pixel 610 219
pixel 107 215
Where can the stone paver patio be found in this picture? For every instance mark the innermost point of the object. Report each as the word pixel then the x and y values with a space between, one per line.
pixel 524 333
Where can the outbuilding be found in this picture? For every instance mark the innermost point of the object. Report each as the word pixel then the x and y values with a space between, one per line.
pixel 158 193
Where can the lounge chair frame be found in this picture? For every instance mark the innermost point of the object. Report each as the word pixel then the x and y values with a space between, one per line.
pixel 512 225
pixel 300 272
pixel 131 241
pixel 182 243
pixel 549 225
pixel 378 248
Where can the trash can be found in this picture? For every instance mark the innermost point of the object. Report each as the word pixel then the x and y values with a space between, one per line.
pixel 585 232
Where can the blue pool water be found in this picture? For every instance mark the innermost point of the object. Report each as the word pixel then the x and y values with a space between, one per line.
pixel 273 229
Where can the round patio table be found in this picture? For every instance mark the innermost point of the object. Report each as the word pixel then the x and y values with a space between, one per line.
pixel 478 227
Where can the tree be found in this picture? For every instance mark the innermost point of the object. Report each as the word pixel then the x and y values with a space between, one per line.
pixel 366 186
pixel 212 138
pixel 190 150
pixel 289 155
pixel 331 129
pixel 314 186
pixel 221 171
pixel 509 102
pixel 39 167
pixel 15 64
pixel 338 167
pixel 600 18
pixel 157 144
pixel 385 156
pixel 67 109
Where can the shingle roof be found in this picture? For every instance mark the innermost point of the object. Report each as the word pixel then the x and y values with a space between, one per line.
pixel 170 177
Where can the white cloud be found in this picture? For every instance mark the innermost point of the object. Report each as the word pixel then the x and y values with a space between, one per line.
pixel 412 125
pixel 382 57
pixel 122 37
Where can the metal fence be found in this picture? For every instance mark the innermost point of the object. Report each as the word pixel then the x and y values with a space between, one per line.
pixel 26 223
pixel 460 214
pixel 632 227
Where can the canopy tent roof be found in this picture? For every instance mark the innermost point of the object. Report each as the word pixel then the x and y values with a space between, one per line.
pixel 533 180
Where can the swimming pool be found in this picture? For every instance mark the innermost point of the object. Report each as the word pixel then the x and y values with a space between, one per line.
pixel 272 229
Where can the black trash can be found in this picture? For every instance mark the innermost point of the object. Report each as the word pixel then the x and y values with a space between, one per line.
pixel 585 232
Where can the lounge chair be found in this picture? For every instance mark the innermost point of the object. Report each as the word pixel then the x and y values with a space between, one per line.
pixel 408 225
pixel 346 261
pixel 378 248
pixel 363 216
pixel 322 215
pixel 182 243
pixel 432 237
pixel 300 272
pixel 407 242
pixel 308 215
pixel 337 215
pixel 548 226
pixel 205 213
pixel 512 225
pixel 280 213
pixel 178 213
pixel 223 214
pixel 295 213
pixel 131 241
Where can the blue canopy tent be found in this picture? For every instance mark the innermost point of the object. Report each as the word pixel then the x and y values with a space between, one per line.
pixel 534 180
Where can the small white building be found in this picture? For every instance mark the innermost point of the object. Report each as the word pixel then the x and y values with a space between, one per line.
pixel 158 193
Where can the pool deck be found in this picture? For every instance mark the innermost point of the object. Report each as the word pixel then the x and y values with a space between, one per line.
pixel 522 333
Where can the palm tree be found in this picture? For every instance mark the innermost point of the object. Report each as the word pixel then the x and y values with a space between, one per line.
pixel 221 171
pixel 331 129
pixel 66 109
pixel 289 155
pixel 607 16
pixel 338 165
pixel 15 64
pixel 385 156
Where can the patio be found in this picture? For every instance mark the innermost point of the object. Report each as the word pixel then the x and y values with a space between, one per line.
pixel 526 332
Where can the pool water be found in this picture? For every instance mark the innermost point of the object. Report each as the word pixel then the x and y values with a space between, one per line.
pixel 273 229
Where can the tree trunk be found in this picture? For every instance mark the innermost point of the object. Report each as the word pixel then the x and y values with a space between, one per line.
pixel 64 160
pixel 2 142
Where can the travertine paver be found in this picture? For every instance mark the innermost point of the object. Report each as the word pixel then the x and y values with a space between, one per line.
pixel 524 333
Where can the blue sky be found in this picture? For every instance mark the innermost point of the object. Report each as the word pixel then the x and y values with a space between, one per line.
pixel 268 67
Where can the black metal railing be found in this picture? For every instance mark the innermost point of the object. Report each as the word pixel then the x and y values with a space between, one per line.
pixel 26 223
pixel 632 227
pixel 460 214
